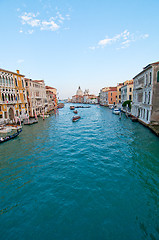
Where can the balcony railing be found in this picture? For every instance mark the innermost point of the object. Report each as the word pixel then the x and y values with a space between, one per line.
pixel 8 102
pixel 139 86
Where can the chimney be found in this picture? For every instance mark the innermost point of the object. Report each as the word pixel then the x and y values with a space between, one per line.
pixel 17 71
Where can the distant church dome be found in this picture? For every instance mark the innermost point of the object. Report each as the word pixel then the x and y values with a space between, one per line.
pixel 79 92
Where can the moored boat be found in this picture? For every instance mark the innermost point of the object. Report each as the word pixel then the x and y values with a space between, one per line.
pixel 44 116
pixel 111 107
pixel 116 111
pixel 134 119
pixel 75 118
pixel 30 122
pixel 5 139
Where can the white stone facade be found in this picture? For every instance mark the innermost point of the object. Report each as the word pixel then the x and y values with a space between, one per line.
pixel 127 91
pixel 103 96
pixel 36 94
pixel 144 95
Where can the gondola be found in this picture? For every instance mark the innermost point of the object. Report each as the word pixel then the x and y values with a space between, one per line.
pixel 5 139
pixel 75 118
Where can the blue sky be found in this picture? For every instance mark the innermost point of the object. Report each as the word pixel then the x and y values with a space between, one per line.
pixel 69 43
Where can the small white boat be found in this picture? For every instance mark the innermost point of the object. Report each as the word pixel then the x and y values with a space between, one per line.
pixel 44 116
pixel 116 111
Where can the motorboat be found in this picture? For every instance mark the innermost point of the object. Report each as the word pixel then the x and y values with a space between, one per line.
pixel 75 118
pixel 60 105
pixel 75 111
pixel 72 107
pixel 116 111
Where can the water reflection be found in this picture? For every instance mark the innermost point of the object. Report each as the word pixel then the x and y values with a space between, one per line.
pixel 93 176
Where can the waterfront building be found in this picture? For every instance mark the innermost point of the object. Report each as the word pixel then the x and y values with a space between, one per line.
pixel 51 95
pixel 36 96
pixel 78 98
pixel 13 100
pixel 102 96
pixel 79 91
pixel 90 99
pixel 108 96
pixel 85 97
pixel 145 105
pixel 68 100
pixel 127 91
pixel 119 85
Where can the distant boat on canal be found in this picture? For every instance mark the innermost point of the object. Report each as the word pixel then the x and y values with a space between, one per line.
pixel 75 118
pixel 72 107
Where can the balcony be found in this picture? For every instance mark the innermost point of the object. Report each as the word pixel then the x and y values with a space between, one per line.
pixel 139 86
pixel 8 102
pixel 38 97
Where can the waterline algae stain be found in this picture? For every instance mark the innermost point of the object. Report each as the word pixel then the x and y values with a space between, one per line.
pixel 93 179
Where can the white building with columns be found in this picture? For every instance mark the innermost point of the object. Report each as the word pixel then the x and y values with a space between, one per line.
pixel 145 105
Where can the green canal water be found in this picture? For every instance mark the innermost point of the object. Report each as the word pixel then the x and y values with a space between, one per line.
pixel 95 179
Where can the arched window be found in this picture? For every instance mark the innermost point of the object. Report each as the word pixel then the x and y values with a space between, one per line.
pixel 3 99
pixel 0 80
pixel 12 97
pixel 3 81
pixel 6 81
pixel 16 84
pixel 146 79
pixel 150 77
pixel 149 98
pixel 9 81
pixel 22 83
pixel 147 117
pixel 8 97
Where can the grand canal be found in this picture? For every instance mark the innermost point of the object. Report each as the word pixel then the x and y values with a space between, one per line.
pixel 95 179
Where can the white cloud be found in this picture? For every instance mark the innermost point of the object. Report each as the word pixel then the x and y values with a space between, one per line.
pixel 122 40
pixel 144 36
pixel 67 16
pixel 20 61
pixel 30 31
pixel 92 48
pixel 105 41
pixel 51 24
